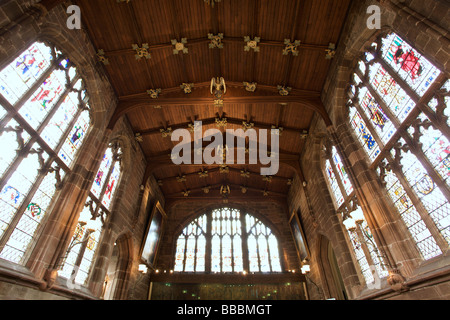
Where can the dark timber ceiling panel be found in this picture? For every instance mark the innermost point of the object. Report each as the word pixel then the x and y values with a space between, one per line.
pixel 115 26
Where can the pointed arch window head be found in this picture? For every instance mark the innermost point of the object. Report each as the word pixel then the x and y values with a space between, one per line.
pixel 44 117
pixel 80 254
pixel 398 108
pixel 225 240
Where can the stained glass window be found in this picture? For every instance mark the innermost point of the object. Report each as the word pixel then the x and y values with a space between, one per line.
pixel 399 100
pixel 41 97
pixel 229 234
pixel 364 247
pixel 80 254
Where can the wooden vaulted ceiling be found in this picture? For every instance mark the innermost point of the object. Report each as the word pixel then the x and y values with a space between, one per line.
pixel 114 26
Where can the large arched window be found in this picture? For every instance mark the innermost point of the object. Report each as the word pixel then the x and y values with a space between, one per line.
pixel 44 117
pixel 398 109
pixel 225 240
pixel 79 257
pixel 365 250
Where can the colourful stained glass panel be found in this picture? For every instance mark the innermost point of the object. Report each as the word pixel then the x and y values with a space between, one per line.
pixel 422 236
pixel 26 230
pixel 334 184
pixel 364 135
pixel 16 189
pixel 60 121
pixel 342 172
pixel 45 97
pixel 410 65
pixel 100 177
pixel 24 71
pixel 427 191
pixel 111 186
pixel 436 148
pixel 392 94
pixel 75 138
pixel 380 121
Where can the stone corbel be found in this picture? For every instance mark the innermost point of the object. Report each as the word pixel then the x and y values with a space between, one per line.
pixel 396 281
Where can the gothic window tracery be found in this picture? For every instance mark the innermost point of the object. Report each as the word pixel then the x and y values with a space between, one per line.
pixel 398 109
pixel 80 254
pixel 228 241
pixel 365 250
pixel 44 118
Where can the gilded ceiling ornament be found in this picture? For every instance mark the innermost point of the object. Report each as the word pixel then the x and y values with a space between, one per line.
pixel 154 93
pixel 101 57
pixel 193 126
pixel 250 86
pixel 186 193
pixel 157 107
pixel 166 132
pixel 211 2
pixel 304 134
pixel 247 125
pixel 179 46
pixel 160 182
pixel 265 193
pixel 244 189
pixel 291 47
pixel 206 189
pixel 331 51
pixel 289 182
pixel 203 174
pixel 277 130
pixel 221 122
pixel 141 52
pixel 251 44
pixel 181 178
pixel 245 174
pixel 127 1
pixel 224 169
pixel 138 137
pixel 284 91
pixel 216 40
pixel 187 87
pixel 218 103
pixel 267 178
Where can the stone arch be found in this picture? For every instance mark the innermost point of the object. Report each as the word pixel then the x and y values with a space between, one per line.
pixel 329 270
pixel 117 279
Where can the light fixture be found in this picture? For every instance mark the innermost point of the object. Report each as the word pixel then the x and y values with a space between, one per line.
pixel 305 268
pixel 143 268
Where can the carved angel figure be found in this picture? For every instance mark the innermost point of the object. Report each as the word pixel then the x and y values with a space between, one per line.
pixel 218 87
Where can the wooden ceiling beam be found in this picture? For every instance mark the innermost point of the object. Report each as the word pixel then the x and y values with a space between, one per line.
pixel 235 121
pixel 214 170
pixel 234 188
pixel 205 41
pixel 234 95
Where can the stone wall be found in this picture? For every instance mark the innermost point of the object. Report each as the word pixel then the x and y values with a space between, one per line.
pixel 20 25
pixel 426 25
